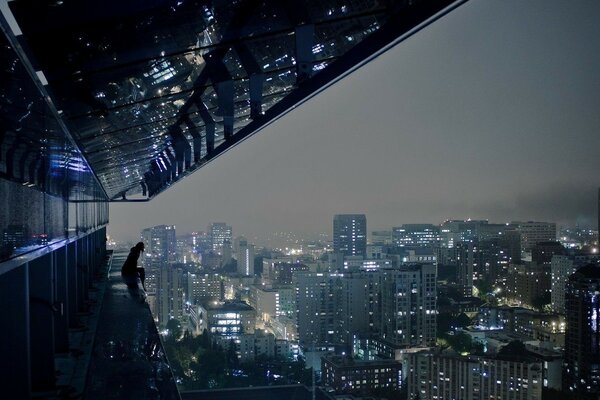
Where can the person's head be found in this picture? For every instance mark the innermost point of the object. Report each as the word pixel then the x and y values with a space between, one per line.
pixel 140 246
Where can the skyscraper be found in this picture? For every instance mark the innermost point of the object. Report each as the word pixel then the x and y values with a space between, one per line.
pixel 467 262
pixel 316 305
pixel 221 234
pixel 408 304
pixel 433 374
pixel 244 254
pixel 416 235
pixel 161 245
pixel 582 340
pixel 533 233
pixel 331 307
pixel 163 285
pixel 350 234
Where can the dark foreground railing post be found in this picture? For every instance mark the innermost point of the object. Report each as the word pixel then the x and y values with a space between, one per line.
pixel 15 359
pixel 61 299
pixel 41 314
pixel 72 284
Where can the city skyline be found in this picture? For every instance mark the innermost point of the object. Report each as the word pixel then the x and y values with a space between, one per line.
pixel 483 118
pixel 289 237
pixel 413 222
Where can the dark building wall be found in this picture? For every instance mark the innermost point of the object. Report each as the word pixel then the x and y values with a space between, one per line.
pixel 582 341
pixel 350 234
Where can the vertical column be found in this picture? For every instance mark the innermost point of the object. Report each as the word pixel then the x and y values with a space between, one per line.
pixel 101 245
pixel 224 91
pixel 197 139
pixel 95 253
pixel 305 37
pixel 41 313
pixel 15 359
pixel 82 274
pixel 87 262
pixel 209 127
pixel 256 91
pixel 72 284
pixel 172 165
pixel 61 300
pixel 256 78
pixel 223 84
pixel 210 137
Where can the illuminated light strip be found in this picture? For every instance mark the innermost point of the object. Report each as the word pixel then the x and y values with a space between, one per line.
pixel 10 18
pixel 42 77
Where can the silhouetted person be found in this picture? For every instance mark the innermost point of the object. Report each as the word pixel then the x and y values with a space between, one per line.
pixel 130 271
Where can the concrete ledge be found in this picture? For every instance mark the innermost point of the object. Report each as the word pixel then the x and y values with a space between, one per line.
pixel 128 359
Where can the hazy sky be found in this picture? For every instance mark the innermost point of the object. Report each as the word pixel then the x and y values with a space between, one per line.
pixel 491 112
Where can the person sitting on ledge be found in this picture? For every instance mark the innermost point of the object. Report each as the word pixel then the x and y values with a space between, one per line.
pixel 130 271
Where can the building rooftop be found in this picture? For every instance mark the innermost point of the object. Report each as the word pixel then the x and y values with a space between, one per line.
pixel 340 361
pixel 230 306
pixel 287 392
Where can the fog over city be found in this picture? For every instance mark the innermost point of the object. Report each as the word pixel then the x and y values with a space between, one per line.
pixel 381 199
pixel 491 113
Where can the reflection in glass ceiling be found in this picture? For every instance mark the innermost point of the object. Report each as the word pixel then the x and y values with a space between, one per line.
pixel 152 90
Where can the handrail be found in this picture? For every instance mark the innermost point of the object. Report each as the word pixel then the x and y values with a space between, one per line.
pixel 17 261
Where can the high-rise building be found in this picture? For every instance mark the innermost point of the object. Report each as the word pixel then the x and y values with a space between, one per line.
pixel 354 307
pixel 436 375
pixel 345 374
pixel 409 304
pixel 416 235
pixel 204 287
pixel 280 271
pixel 316 305
pixel 350 234
pixel 454 231
pixel 221 235
pixel 466 258
pixel 244 254
pixel 533 233
pixel 265 301
pixel 562 266
pixel 542 252
pixel 582 341
pixel 201 242
pixel 228 320
pixel 160 245
pixel 495 255
pixel 169 297
pixel 528 283
pixel 160 251
pixel 381 237
pixel 331 307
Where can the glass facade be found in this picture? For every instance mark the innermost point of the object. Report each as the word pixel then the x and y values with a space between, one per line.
pixel 47 191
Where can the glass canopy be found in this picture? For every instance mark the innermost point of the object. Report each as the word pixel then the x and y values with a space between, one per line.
pixel 152 90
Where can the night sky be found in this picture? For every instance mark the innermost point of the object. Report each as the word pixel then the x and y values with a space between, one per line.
pixel 492 112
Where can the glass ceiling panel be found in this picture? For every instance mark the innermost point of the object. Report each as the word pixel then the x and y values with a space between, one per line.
pixel 135 78
pixel 34 150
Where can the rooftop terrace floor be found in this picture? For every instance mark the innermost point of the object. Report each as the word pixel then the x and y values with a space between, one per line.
pixel 128 360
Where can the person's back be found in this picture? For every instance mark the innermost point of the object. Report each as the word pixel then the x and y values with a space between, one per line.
pixel 130 271
pixel 130 264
